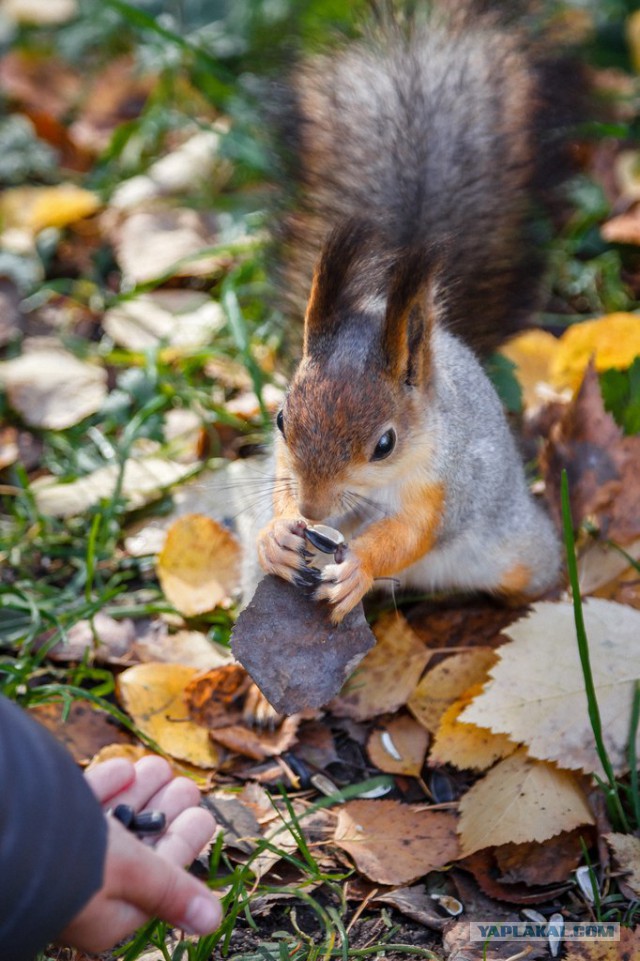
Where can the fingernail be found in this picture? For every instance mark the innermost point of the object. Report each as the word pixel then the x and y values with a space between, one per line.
pixel 202 916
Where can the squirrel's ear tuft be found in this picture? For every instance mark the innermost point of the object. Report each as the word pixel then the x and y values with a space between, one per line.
pixel 406 333
pixel 344 258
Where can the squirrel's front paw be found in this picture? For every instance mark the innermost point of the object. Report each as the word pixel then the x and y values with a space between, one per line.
pixel 344 585
pixel 281 547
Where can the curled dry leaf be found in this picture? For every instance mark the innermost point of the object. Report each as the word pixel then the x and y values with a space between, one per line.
pixel 547 862
pixel 153 695
pixel 536 694
pixel 143 481
pixel 199 565
pixel 446 682
pixel 520 800
pixel 258 744
pixel 467 746
pixel 395 843
pixel 399 747
pixel 486 872
pixel 52 388
pixel 215 699
pixel 387 676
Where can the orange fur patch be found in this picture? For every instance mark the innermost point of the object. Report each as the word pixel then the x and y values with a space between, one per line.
pixel 516 581
pixel 392 544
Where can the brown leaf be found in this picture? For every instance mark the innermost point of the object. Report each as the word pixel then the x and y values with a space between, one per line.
pixel 298 658
pixel 549 862
pixel 257 744
pixel 626 949
pixel 85 730
pixel 446 682
pixel 415 903
pixel 103 639
pixel 394 843
pixel 191 648
pixel 521 800
pixel 153 694
pixel 601 464
pixel 387 676
pixel 467 746
pixel 626 851
pixel 400 747
pixel 484 868
pixel 199 565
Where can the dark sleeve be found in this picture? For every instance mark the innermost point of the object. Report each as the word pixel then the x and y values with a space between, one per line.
pixel 52 837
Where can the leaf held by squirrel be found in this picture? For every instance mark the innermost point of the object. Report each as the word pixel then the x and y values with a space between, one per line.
pixel 419 155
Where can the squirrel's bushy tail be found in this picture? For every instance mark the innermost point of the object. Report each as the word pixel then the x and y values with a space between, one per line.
pixel 447 129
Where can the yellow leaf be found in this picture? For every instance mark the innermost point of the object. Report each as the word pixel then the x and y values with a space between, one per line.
pixel 520 800
pixel 153 694
pixel 199 565
pixel 467 746
pixel 614 341
pixel 446 682
pixel 633 39
pixel 34 208
pixel 532 353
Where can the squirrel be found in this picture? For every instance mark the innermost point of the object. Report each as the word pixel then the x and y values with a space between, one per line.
pixel 420 156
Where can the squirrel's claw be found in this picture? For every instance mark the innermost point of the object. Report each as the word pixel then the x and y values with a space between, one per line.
pixel 281 548
pixel 344 585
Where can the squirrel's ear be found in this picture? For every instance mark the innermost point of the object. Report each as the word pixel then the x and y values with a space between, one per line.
pixel 406 334
pixel 342 257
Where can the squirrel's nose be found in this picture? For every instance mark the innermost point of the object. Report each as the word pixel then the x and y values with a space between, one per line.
pixel 311 511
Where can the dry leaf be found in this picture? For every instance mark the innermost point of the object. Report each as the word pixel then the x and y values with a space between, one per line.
pixel 104 639
pixel 532 353
pixel 387 676
pixel 612 341
pixel 549 862
pixel 143 481
pixel 215 699
pixel 400 747
pixel 153 695
pixel 32 209
pixel 537 697
pixel 486 872
pixel 520 800
pixel 152 244
pixel 395 843
pixel 467 746
pixel 35 11
pixel 298 658
pixel 84 730
pixel 131 752
pixel 604 481
pixel 446 682
pixel 199 565
pixel 191 648
pixel 184 319
pixel 415 903
pixel 626 949
pixel 52 389
pixel 626 851
pixel 255 743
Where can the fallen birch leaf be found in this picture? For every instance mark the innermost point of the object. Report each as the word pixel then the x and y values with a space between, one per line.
pixel 199 565
pixel 484 868
pixel 546 708
pixel 467 746
pixel 387 675
pixel 153 695
pixel 34 208
pixel 532 353
pixel 190 648
pixel 520 800
pixel 446 682
pixel 143 481
pixel 152 244
pixel 415 903
pixel 183 319
pixel 626 852
pixel 395 843
pixel 533 863
pixel 399 747
pixel 52 388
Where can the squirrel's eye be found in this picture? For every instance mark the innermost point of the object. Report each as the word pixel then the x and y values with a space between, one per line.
pixel 385 445
pixel 280 422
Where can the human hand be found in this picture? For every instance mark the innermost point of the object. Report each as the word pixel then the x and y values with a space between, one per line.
pixel 141 882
